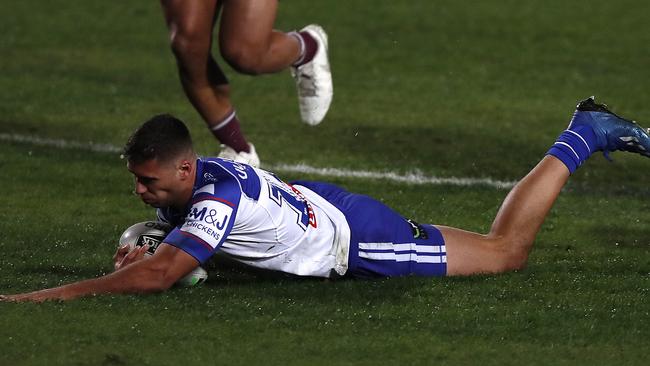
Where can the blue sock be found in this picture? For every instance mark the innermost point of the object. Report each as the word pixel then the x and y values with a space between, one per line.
pixel 574 146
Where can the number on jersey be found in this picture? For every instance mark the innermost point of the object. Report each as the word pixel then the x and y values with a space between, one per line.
pixel 281 192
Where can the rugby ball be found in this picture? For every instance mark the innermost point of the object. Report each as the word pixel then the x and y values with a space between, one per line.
pixel 152 233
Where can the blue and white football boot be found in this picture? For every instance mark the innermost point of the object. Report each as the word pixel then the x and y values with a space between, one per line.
pixel 612 132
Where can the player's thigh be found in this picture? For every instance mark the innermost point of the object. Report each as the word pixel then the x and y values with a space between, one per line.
pixel 190 18
pixel 247 22
pixel 471 253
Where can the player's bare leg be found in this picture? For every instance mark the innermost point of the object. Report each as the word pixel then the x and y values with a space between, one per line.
pixel 248 41
pixel 190 25
pixel 261 49
pixel 513 231
pixel 507 245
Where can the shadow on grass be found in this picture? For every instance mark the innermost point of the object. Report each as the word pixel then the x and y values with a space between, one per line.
pixel 448 149
pixel 222 270
pixel 230 278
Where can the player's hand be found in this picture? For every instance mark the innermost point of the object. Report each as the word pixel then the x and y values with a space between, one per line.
pixel 17 298
pixel 8 298
pixel 36 296
pixel 121 252
pixel 123 257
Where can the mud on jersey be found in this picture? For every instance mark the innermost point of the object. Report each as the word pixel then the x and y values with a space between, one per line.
pixel 255 218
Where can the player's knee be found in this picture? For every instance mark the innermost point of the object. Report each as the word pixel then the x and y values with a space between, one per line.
pixel 187 45
pixel 514 261
pixel 512 256
pixel 244 58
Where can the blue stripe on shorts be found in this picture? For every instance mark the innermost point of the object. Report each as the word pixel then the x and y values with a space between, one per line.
pixel 383 243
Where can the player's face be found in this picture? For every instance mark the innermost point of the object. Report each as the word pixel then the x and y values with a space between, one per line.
pixel 158 184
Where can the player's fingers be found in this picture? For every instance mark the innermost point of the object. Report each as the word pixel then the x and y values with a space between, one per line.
pixel 8 298
pixel 121 252
pixel 134 256
pixel 13 298
pixel 133 253
pixel 127 258
pixel 141 252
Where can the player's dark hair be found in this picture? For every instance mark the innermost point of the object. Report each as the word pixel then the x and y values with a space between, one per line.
pixel 163 137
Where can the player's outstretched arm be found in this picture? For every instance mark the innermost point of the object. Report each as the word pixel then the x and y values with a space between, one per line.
pixel 152 274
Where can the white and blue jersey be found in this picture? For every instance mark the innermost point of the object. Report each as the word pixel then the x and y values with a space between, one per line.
pixel 306 228
pixel 255 218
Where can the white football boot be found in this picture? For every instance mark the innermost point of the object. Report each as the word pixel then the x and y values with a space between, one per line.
pixel 249 158
pixel 314 80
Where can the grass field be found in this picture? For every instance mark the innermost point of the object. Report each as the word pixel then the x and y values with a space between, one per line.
pixel 447 89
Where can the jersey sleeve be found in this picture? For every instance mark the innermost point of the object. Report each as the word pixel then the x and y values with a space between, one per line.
pixel 209 221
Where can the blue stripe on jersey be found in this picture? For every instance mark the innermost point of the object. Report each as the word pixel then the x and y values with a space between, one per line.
pixel 215 168
pixel 191 244
pixel 206 223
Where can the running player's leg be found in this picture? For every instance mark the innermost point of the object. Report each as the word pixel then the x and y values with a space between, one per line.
pixel 513 231
pixel 190 25
pixel 250 45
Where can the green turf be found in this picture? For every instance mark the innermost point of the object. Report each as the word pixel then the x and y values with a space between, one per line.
pixel 466 89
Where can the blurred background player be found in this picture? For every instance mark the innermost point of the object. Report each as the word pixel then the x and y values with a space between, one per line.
pixel 250 45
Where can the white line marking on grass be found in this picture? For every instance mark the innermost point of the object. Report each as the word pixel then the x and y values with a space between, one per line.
pixel 59 143
pixel 410 178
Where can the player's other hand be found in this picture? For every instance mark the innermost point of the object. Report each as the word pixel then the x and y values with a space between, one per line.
pixel 123 257
pixel 37 296
pixel 121 252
